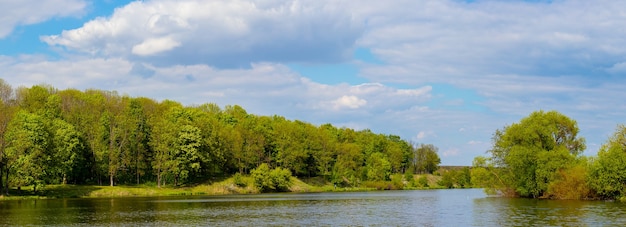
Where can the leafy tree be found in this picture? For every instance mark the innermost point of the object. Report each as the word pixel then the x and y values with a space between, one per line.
pixel 530 152
pixel 426 159
pixel 67 149
pixel 7 110
pixel 27 154
pixel 378 168
pixel 325 155
pixel 186 157
pixel 485 175
pixel 607 175
pixel 137 131
pixel 347 169
pixel 464 177
pixel 162 141
pixel 448 179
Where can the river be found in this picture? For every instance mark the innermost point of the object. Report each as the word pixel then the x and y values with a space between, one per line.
pixel 461 207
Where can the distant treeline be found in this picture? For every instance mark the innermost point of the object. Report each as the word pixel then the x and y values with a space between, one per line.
pixel 51 136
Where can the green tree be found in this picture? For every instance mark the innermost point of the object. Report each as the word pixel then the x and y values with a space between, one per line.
pixel 27 151
pixel 607 175
pixel 530 152
pixel 186 158
pixel 163 139
pixel 7 110
pixel 378 168
pixel 67 149
pixel 348 167
pixel 426 159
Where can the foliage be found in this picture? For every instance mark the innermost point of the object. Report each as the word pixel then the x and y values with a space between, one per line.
pixel 426 158
pixel 238 180
pixel 277 179
pixel 423 181
pixel 571 183
pixel 456 178
pixel 607 175
pixel 378 168
pixel 50 136
pixel 529 154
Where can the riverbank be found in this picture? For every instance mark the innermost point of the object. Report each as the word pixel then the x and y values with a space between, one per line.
pixel 223 187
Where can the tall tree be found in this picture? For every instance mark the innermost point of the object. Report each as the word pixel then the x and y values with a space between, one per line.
pixel 426 159
pixel 532 151
pixel 378 168
pixel 7 110
pixel 67 149
pixel 607 175
pixel 27 150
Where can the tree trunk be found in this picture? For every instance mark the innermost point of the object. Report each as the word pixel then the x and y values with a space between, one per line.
pixel 1 174
pixel 6 177
pixel 111 179
pixel 137 168
pixel 159 177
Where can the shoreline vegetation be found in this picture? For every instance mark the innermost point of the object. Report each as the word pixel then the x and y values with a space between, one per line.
pixel 227 186
pixel 51 139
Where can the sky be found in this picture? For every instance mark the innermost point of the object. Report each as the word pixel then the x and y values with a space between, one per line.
pixel 443 72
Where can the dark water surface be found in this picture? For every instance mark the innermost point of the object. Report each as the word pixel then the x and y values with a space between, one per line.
pixel 469 207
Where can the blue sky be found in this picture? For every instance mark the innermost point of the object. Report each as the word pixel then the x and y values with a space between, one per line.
pixel 445 72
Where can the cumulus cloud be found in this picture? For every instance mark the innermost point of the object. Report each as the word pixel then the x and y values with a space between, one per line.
pixel 350 101
pixel 223 33
pixel 518 56
pixel 422 42
pixel 154 45
pixel 25 12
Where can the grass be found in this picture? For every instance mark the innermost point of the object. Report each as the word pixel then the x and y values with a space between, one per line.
pixel 222 187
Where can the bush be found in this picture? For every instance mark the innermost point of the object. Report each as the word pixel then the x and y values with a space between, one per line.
pixel 570 184
pixel 423 181
pixel 278 179
pixel 238 180
pixel 281 179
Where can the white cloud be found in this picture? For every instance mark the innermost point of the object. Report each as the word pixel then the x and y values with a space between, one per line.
pixel 225 33
pixel 26 12
pixel 423 43
pixel 518 56
pixel 264 88
pixel 155 45
pixel 351 102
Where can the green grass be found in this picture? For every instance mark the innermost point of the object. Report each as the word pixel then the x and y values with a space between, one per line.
pixel 221 187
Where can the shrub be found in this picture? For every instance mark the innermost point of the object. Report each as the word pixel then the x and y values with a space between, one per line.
pixel 281 179
pixel 238 180
pixel 423 181
pixel 278 179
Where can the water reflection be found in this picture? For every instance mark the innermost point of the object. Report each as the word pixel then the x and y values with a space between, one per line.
pixel 388 208
pixel 532 212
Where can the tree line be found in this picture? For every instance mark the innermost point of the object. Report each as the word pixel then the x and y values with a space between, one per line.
pixel 51 136
pixel 540 157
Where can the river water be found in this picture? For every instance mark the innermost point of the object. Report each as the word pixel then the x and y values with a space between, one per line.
pixel 461 207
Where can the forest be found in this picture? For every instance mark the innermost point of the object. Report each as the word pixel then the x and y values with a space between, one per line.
pixel 96 137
